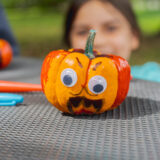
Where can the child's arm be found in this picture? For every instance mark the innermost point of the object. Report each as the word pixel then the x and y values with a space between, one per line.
pixel 6 33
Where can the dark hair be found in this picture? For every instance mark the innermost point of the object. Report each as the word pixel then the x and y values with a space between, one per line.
pixel 123 6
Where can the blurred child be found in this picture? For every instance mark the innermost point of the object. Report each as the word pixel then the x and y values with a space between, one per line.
pixel 6 33
pixel 117 31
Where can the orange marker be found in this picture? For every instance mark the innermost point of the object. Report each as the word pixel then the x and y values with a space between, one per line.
pixel 9 86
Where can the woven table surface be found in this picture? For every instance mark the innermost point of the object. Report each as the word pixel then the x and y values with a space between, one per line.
pixel 35 130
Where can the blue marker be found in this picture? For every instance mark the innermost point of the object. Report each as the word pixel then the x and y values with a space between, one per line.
pixel 8 99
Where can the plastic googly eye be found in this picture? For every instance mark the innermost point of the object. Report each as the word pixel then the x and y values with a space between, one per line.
pixel 69 77
pixel 97 84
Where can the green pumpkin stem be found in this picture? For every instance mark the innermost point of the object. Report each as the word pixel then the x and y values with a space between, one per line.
pixel 89 45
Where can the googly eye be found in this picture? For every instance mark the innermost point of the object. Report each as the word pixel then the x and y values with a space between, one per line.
pixel 97 84
pixel 68 77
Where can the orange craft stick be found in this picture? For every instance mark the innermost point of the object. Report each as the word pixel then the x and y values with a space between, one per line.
pixel 9 86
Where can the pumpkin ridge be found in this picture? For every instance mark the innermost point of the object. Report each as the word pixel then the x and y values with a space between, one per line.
pixel 64 56
pixel 90 61
pixel 123 78
pixel 47 63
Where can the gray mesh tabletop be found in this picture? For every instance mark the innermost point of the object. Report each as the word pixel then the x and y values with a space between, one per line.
pixel 35 130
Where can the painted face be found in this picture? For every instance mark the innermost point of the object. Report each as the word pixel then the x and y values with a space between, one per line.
pixel 78 85
pixel 78 82
pixel 89 86
pixel 84 85
pixel 114 34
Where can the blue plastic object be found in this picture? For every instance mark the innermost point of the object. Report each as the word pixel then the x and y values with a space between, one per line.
pixel 8 99
pixel 149 71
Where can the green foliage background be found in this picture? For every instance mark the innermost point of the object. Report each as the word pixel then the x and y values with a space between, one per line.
pixel 31 3
pixel 38 26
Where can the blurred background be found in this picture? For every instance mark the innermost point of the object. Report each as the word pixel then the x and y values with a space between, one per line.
pixel 38 26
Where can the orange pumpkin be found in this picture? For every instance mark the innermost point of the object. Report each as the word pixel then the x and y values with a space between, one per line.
pixel 78 82
pixel 5 53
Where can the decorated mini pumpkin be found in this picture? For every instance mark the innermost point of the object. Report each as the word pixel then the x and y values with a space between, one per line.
pixel 80 82
pixel 5 53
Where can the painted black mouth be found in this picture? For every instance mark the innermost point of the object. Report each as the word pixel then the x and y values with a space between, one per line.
pixel 76 101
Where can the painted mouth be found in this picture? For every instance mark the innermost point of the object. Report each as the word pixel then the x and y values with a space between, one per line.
pixel 74 102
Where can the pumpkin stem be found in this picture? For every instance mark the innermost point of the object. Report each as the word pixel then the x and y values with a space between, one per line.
pixel 89 45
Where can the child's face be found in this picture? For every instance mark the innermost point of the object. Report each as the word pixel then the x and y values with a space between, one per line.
pixel 114 34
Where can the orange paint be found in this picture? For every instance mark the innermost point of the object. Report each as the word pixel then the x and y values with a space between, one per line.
pixel 47 62
pixel 78 81
pixel 6 53
pixel 123 79
pixel 59 95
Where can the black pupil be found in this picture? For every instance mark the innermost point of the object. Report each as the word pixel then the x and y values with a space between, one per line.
pixel 67 79
pixel 98 88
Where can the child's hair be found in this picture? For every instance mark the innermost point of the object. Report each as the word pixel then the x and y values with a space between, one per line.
pixel 123 6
